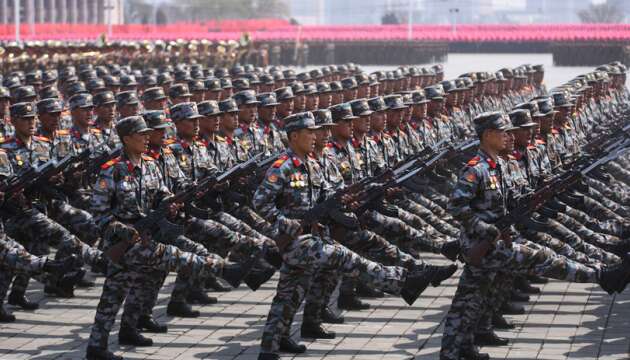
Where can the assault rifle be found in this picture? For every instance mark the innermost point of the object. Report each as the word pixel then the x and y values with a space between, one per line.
pixel 192 192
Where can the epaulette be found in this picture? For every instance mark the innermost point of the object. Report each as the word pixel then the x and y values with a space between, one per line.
pixel 95 130
pixel 7 140
pixel 170 141
pixel 511 157
pixel 555 131
pixel 220 138
pixel 42 138
pixel 110 163
pixel 168 150
pixel 280 161
pixel 474 161
pixel 540 142
pixel 147 157
pixel 531 147
pixel 329 145
pixel 63 132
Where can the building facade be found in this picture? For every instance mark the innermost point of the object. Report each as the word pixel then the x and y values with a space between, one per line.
pixel 63 11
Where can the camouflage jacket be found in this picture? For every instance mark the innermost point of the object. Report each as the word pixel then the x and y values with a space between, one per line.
pixel 73 142
pixel 291 187
pixel 238 150
pixel 479 199
pixel 386 147
pixel 192 157
pixel 219 152
pixel 369 156
pixel 401 143
pixel 271 139
pixel 330 171
pixel 166 161
pixel 109 135
pixel 251 138
pixel 127 192
pixel 349 162
pixel 22 156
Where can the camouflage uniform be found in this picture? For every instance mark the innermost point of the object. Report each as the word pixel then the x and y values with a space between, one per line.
pixel 300 184
pixel 478 201
pixel 123 194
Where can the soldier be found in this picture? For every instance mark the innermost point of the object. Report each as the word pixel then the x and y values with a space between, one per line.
pixel 293 185
pixel 127 104
pixel 125 191
pixel 271 135
pixel 248 132
pixel 478 201
pixel 105 110
pixel 6 129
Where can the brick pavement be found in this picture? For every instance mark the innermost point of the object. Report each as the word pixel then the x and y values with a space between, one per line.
pixel 568 321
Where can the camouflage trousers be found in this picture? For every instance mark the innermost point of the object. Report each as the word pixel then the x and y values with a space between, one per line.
pixel 435 221
pixel 37 231
pixel 251 217
pixel 472 291
pixel 78 222
pixel 15 257
pixel 574 240
pixel 141 258
pixel 221 240
pixel 365 243
pixel 406 237
pixel 612 227
pixel 301 259
pixel 560 247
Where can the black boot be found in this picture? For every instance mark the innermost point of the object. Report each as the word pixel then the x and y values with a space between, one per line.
pixel 518 296
pixel 234 273
pixel 59 267
pixel 22 301
pixel 451 249
pixel 442 273
pixel 615 278
pixel 351 302
pixel 315 331
pixel 214 284
pixel 534 279
pixel 181 309
pixel 94 353
pixel 267 356
pixel 524 286
pixel 129 336
pixel 473 354
pixel 368 292
pixel 148 324
pixel 418 278
pixel 329 317
pixel 85 283
pixel 290 346
pixel 5 316
pixel 509 308
pixel 197 296
pixel 490 339
pixel 258 276
pixel 501 323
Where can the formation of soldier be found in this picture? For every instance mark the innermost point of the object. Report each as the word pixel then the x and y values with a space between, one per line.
pixel 159 132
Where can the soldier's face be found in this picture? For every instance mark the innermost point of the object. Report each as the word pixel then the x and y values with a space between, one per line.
pixel 377 121
pixel 299 102
pixel 229 121
pixel 247 113
pixel 496 140
pixel 198 96
pixel 420 110
pixel 129 110
pixel 156 137
pixel 322 137
pixel 343 130
pixel 209 124
pixel 285 108
pixel 180 99
pixel 188 128
pixel 106 112
pixel 4 107
pixel 361 125
pixel 50 121
pixel 267 113
pixel 137 143
pixel 337 98
pixel 82 116
pixel 325 100
pixel 394 117
pixel 24 127
pixel 212 95
pixel 522 137
pixel 509 146
pixel 155 104
pixel 303 141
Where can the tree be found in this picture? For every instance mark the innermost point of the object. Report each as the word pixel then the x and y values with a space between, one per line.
pixel 601 13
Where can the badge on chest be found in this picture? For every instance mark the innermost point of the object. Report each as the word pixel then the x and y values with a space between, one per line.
pixel 297 180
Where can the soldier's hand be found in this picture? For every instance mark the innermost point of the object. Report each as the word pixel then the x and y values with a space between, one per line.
pixel 293 228
pixel 393 192
pixel 57 179
pixel 318 229
pixel 506 236
pixel 174 208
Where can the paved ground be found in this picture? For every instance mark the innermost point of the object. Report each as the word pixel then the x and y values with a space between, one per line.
pixel 575 321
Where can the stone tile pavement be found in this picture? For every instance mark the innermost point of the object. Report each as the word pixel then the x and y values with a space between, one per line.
pixel 568 321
